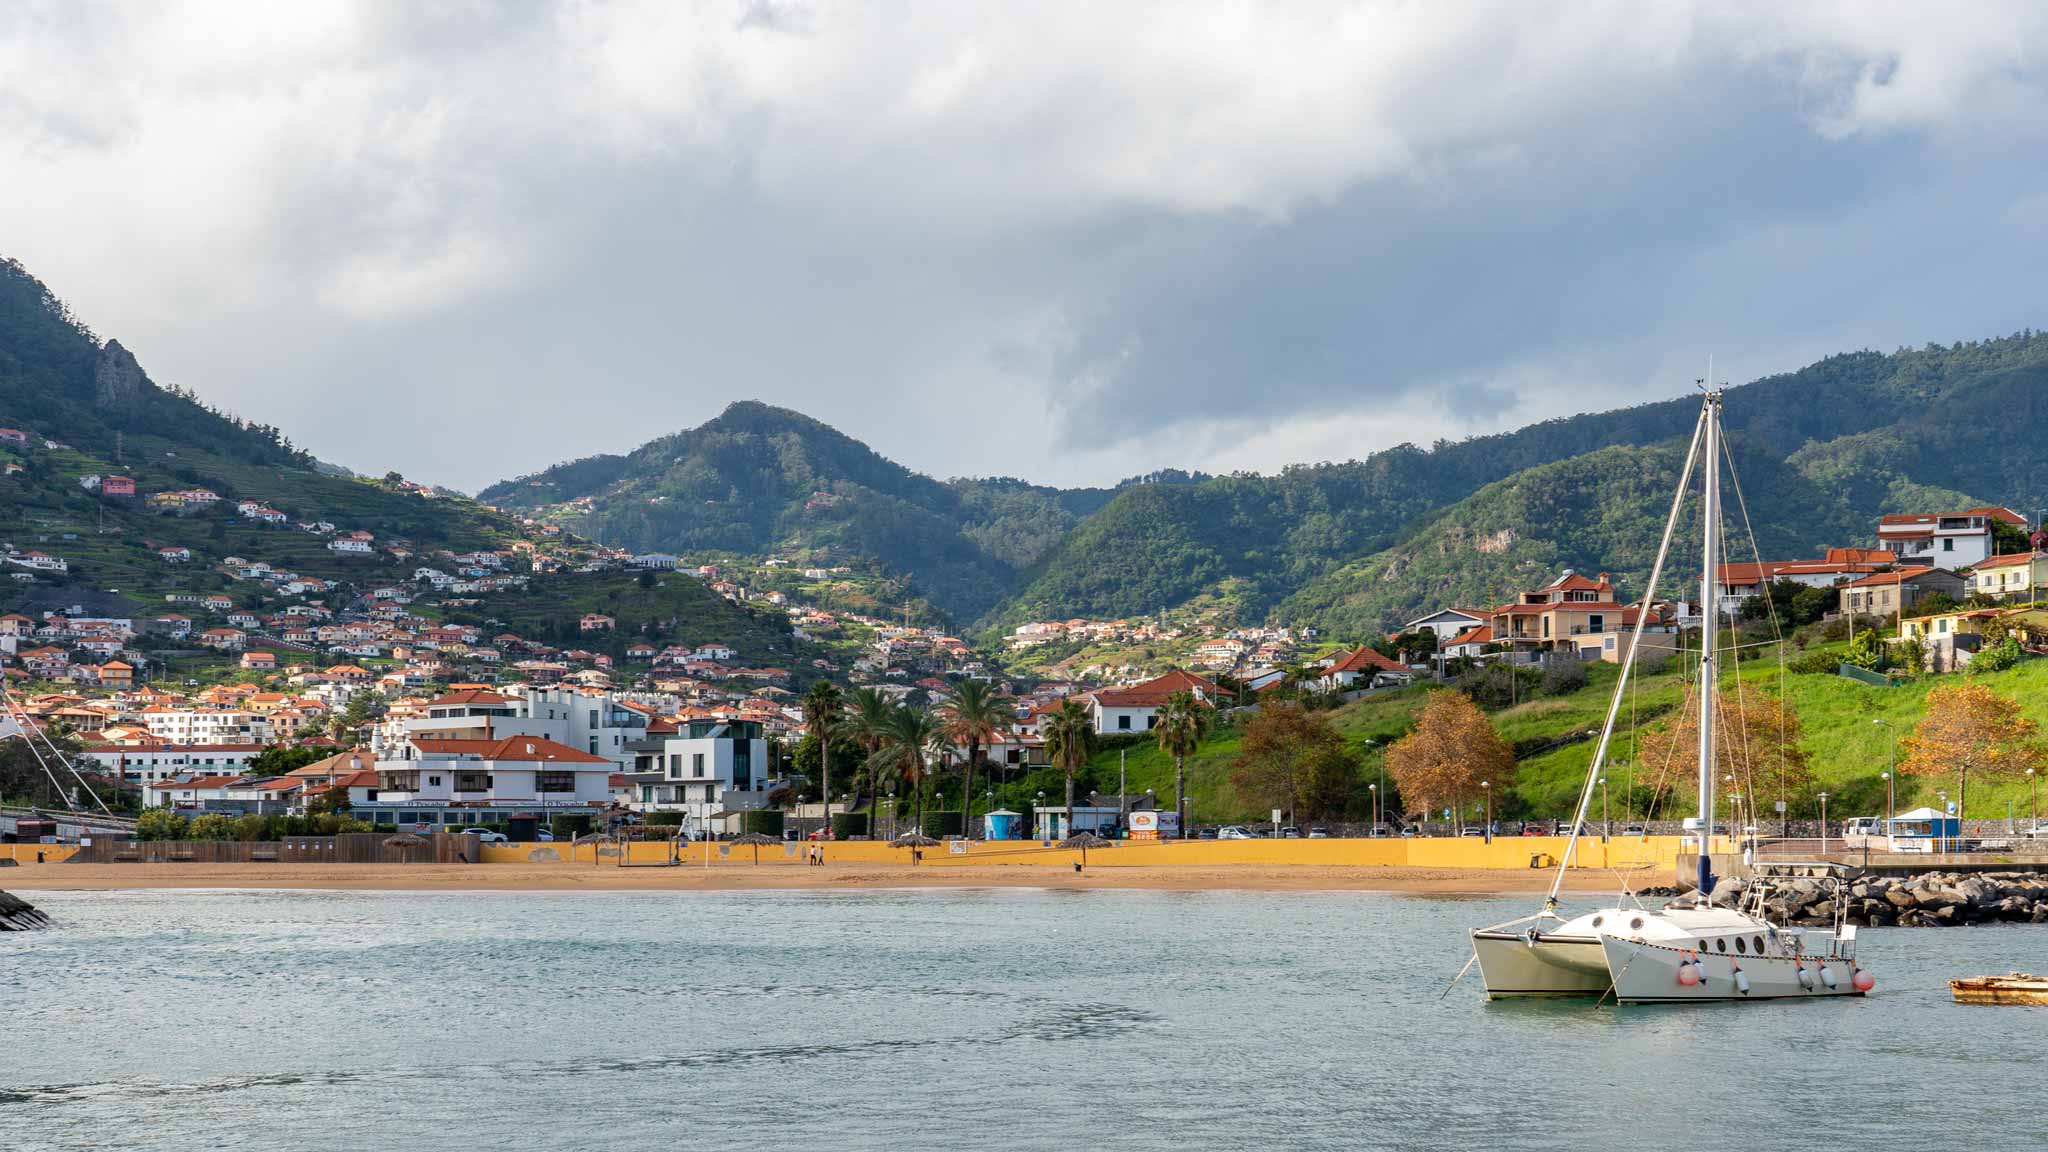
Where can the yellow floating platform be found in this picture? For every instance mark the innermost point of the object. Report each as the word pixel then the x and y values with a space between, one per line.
pixel 2015 988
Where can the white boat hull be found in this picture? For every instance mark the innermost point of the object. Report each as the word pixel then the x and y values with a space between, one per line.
pixel 1645 967
pixel 1648 974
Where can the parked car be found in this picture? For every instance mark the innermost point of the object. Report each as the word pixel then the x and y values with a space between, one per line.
pixel 1290 832
pixel 1234 832
pixel 1206 834
pixel 1631 829
pixel 1410 832
pixel 1319 833
pixel 1535 828
pixel 485 835
pixel 544 836
pixel 1473 832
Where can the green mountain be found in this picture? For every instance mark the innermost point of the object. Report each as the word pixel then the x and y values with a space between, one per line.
pixel 88 409
pixel 761 480
pixel 1354 546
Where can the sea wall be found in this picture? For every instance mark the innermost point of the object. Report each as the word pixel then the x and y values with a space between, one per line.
pixel 1658 852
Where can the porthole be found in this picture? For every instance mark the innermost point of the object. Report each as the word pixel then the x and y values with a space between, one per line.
pixel 1741 945
pixel 1597 920
pixel 1703 945
pixel 1636 924
pixel 1759 945
pixel 1721 945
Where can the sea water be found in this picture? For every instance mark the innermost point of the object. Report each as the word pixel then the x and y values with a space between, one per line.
pixel 974 1019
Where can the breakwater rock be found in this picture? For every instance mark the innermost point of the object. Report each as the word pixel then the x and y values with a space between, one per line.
pixel 18 915
pixel 1929 900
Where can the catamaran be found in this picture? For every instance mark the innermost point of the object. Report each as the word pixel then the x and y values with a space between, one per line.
pixel 1694 948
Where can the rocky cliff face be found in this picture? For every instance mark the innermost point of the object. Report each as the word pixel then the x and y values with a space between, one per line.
pixel 118 381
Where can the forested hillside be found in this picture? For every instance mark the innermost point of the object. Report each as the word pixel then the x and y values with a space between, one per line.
pixel 1352 546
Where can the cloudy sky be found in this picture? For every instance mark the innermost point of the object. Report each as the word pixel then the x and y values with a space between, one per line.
pixel 1071 242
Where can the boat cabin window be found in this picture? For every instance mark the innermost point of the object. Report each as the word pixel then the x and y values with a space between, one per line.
pixel 1703 945
pixel 1721 945
pixel 1759 942
pixel 1636 923
pixel 1741 945
pixel 1597 920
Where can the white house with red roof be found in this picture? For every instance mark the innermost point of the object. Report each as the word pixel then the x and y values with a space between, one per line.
pixel 2013 576
pixel 1135 707
pixel 462 781
pixel 1576 616
pixel 1946 540
pixel 1364 667
pixel 1448 622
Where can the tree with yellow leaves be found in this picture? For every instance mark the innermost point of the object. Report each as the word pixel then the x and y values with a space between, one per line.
pixel 1440 763
pixel 1756 740
pixel 1968 728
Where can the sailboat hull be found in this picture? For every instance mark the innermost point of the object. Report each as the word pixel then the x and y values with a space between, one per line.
pixel 1514 968
pixel 1649 974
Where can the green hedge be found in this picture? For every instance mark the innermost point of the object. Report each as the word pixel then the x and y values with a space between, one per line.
pixel 848 825
pixel 568 825
pixel 669 819
pixel 941 824
pixel 767 822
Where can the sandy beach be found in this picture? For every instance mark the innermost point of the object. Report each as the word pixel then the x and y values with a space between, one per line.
pixel 728 876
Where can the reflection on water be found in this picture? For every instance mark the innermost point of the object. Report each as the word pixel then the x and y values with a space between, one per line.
pixel 999 1018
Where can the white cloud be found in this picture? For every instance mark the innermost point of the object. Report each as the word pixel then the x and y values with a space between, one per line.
pixel 1139 207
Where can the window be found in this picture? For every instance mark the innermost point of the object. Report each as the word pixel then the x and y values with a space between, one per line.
pixel 1149 720
pixel 555 782
pixel 1947 544
pixel 1741 945
pixel 1123 724
pixel 593 717
pixel 1759 942
pixel 1721 945
pixel 675 765
pixel 593 745
pixel 697 764
pixel 435 781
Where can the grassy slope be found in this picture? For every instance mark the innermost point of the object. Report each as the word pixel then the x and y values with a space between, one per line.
pixel 1848 751
pixel 677 610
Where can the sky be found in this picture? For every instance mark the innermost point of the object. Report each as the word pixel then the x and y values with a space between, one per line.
pixel 1071 242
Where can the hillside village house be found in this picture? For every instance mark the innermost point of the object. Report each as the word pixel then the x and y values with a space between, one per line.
pixel 1136 707
pixel 2014 576
pixel 1897 591
pixel 1575 616
pixel 1448 623
pixel 453 782
pixel 1364 667
pixel 1946 540
pixel 1734 583
pixel 1948 639
pixel 709 768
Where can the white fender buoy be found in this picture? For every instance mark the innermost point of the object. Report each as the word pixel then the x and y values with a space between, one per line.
pixel 1742 981
pixel 1827 976
pixel 1805 976
pixel 1863 981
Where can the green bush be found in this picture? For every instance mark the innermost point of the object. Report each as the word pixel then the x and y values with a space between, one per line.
pixel 212 826
pixel 253 828
pixel 940 824
pixel 767 822
pixel 569 825
pixel 1564 677
pixel 161 824
pixel 665 819
pixel 849 825
pixel 1813 663
pixel 1997 657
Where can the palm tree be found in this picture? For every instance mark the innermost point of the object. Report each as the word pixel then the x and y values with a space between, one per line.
pixel 867 718
pixel 1069 738
pixel 910 736
pixel 1179 729
pixel 823 708
pixel 973 716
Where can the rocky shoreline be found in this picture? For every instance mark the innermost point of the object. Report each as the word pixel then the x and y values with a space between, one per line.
pixel 18 915
pixel 1928 900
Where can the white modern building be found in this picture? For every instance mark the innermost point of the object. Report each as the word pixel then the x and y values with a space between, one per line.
pixel 710 770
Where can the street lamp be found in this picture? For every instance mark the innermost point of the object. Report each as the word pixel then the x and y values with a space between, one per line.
pixel 2034 799
pixel 1375 790
pixel 1035 815
pixel 1823 823
pixel 1487 788
pixel 1889 807
pixel 1942 795
pixel 892 814
pixel 987 808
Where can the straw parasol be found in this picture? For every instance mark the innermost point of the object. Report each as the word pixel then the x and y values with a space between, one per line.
pixel 1084 841
pixel 754 840
pixel 914 840
pixel 403 840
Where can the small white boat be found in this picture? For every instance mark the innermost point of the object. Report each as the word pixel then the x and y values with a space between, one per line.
pixel 1692 949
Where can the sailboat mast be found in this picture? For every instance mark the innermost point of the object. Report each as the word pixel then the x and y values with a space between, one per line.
pixel 1710 522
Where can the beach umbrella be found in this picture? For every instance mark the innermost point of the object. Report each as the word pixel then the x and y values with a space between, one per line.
pixel 1084 841
pixel 755 840
pixel 914 841
pixel 403 840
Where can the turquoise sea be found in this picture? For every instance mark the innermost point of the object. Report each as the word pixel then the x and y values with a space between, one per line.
pixel 967 1019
